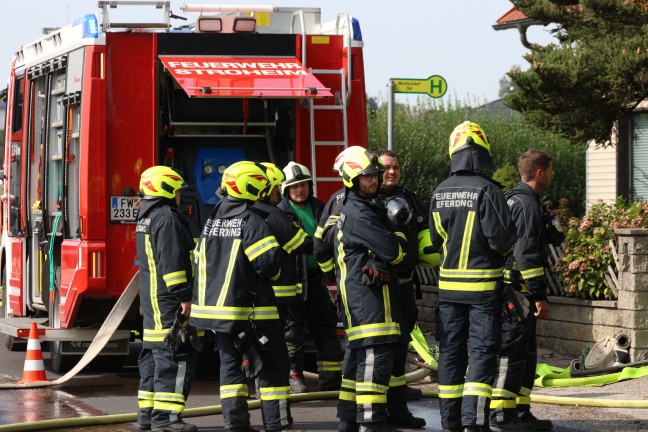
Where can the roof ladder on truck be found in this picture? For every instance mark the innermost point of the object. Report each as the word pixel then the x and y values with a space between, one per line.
pixel 340 104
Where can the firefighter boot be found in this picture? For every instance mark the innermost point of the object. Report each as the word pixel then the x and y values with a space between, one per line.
pixel 539 425
pixel 348 426
pixel 407 421
pixel 297 384
pixel 178 426
pixel 512 426
pixel 377 427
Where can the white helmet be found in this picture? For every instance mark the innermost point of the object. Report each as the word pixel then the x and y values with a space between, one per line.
pixel 339 159
pixel 295 173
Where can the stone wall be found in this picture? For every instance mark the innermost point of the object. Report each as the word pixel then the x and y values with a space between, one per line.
pixel 576 324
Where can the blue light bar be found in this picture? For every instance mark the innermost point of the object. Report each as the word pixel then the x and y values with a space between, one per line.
pixel 357 33
pixel 90 25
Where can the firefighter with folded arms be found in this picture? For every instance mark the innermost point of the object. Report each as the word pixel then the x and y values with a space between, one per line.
pixel 408 211
pixel 237 258
pixel 313 308
pixel 366 251
pixel 517 358
pixel 164 247
pixel 471 226
pixel 325 233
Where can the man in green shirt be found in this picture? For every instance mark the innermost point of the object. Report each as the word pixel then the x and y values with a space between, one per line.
pixel 313 309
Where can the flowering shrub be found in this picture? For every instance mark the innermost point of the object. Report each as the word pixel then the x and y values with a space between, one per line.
pixel 587 252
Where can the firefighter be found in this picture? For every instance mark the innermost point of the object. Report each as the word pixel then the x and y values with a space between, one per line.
pixel 237 258
pixel 313 309
pixel 518 356
pixel 288 232
pixel 415 221
pixel 366 251
pixel 323 241
pixel 164 246
pixel 471 225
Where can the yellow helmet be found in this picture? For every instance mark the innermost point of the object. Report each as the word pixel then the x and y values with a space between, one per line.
pixel 160 182
pixel 359 163
pixel 245 180
pixel 339 159
pixel 274 174
pixel 466 134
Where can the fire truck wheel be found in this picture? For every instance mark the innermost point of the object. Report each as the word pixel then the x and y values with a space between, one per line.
pixel 10 342
pixel 61 363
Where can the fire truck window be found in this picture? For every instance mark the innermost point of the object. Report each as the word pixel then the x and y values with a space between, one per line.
pixel 14 191
pixel 16 125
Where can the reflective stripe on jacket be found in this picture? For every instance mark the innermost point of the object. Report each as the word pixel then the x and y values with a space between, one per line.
pixel 471 226
pixel 164 250
pixel 293 240
pixel 368 314
pixel 527 269
pixel 237 256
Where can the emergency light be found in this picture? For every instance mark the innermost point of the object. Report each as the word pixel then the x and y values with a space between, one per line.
pixel 90 25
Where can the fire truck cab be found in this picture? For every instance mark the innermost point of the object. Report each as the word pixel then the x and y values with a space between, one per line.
pixel 91 105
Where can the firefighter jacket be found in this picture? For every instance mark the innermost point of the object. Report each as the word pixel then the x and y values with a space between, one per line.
pixel 293 240
pixel 325 234
pixel 419 222
pixel 164 249
pixel 237 258
pixel 299 259
pixel 471 226
pixel 368 313
pixel 527 264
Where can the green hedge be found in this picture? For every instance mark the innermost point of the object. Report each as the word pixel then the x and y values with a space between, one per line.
pixel 421 140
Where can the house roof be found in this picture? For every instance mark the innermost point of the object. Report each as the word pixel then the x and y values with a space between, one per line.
pixel 512 19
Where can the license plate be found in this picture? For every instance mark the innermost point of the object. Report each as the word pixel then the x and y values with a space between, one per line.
pixel 123 209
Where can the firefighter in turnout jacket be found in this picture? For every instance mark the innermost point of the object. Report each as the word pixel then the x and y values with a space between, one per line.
pixel 408 211
pixel 517 358
pixel 313 309
pixel 164 246
pixel 325 233
pixel 366 251
pixel 471 226
pixel 237 259
pixel 288 232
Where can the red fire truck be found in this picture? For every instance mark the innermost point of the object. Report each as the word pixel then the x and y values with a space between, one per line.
pixel 91 105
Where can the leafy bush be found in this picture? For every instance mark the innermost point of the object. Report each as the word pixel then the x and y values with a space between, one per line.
pixel 507 176
pixel 587 253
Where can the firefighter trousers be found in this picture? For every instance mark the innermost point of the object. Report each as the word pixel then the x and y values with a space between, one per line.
pixel 396 400
pixel 315 312
pixel 469 337
pixel 273 382
pixel 516 367
pixel 165 382
pixel 365 381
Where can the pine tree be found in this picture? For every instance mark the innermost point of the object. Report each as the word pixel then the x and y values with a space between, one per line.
pixel 595 74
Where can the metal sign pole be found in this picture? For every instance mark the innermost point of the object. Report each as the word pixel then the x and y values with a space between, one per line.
pixel 390 116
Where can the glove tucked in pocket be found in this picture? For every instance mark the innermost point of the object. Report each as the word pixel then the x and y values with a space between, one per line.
pixel 375 273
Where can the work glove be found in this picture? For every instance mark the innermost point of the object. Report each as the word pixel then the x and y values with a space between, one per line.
pixel 515 306
pixel 251 364
pixel 182 335
pixel 375 273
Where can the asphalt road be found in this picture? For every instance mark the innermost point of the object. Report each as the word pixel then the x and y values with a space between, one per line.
pixel 93 393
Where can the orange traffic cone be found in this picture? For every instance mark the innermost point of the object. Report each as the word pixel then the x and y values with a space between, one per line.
pixel 34 370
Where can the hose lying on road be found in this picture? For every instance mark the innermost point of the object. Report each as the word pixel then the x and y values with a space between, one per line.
pixel 303 397
pixel 111 323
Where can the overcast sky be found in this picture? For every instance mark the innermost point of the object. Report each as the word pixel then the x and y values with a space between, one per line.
pixel 403 39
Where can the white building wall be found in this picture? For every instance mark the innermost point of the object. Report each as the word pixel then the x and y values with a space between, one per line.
pixel 601 174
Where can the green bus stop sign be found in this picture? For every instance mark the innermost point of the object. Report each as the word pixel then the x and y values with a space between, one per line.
pixel 434 86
